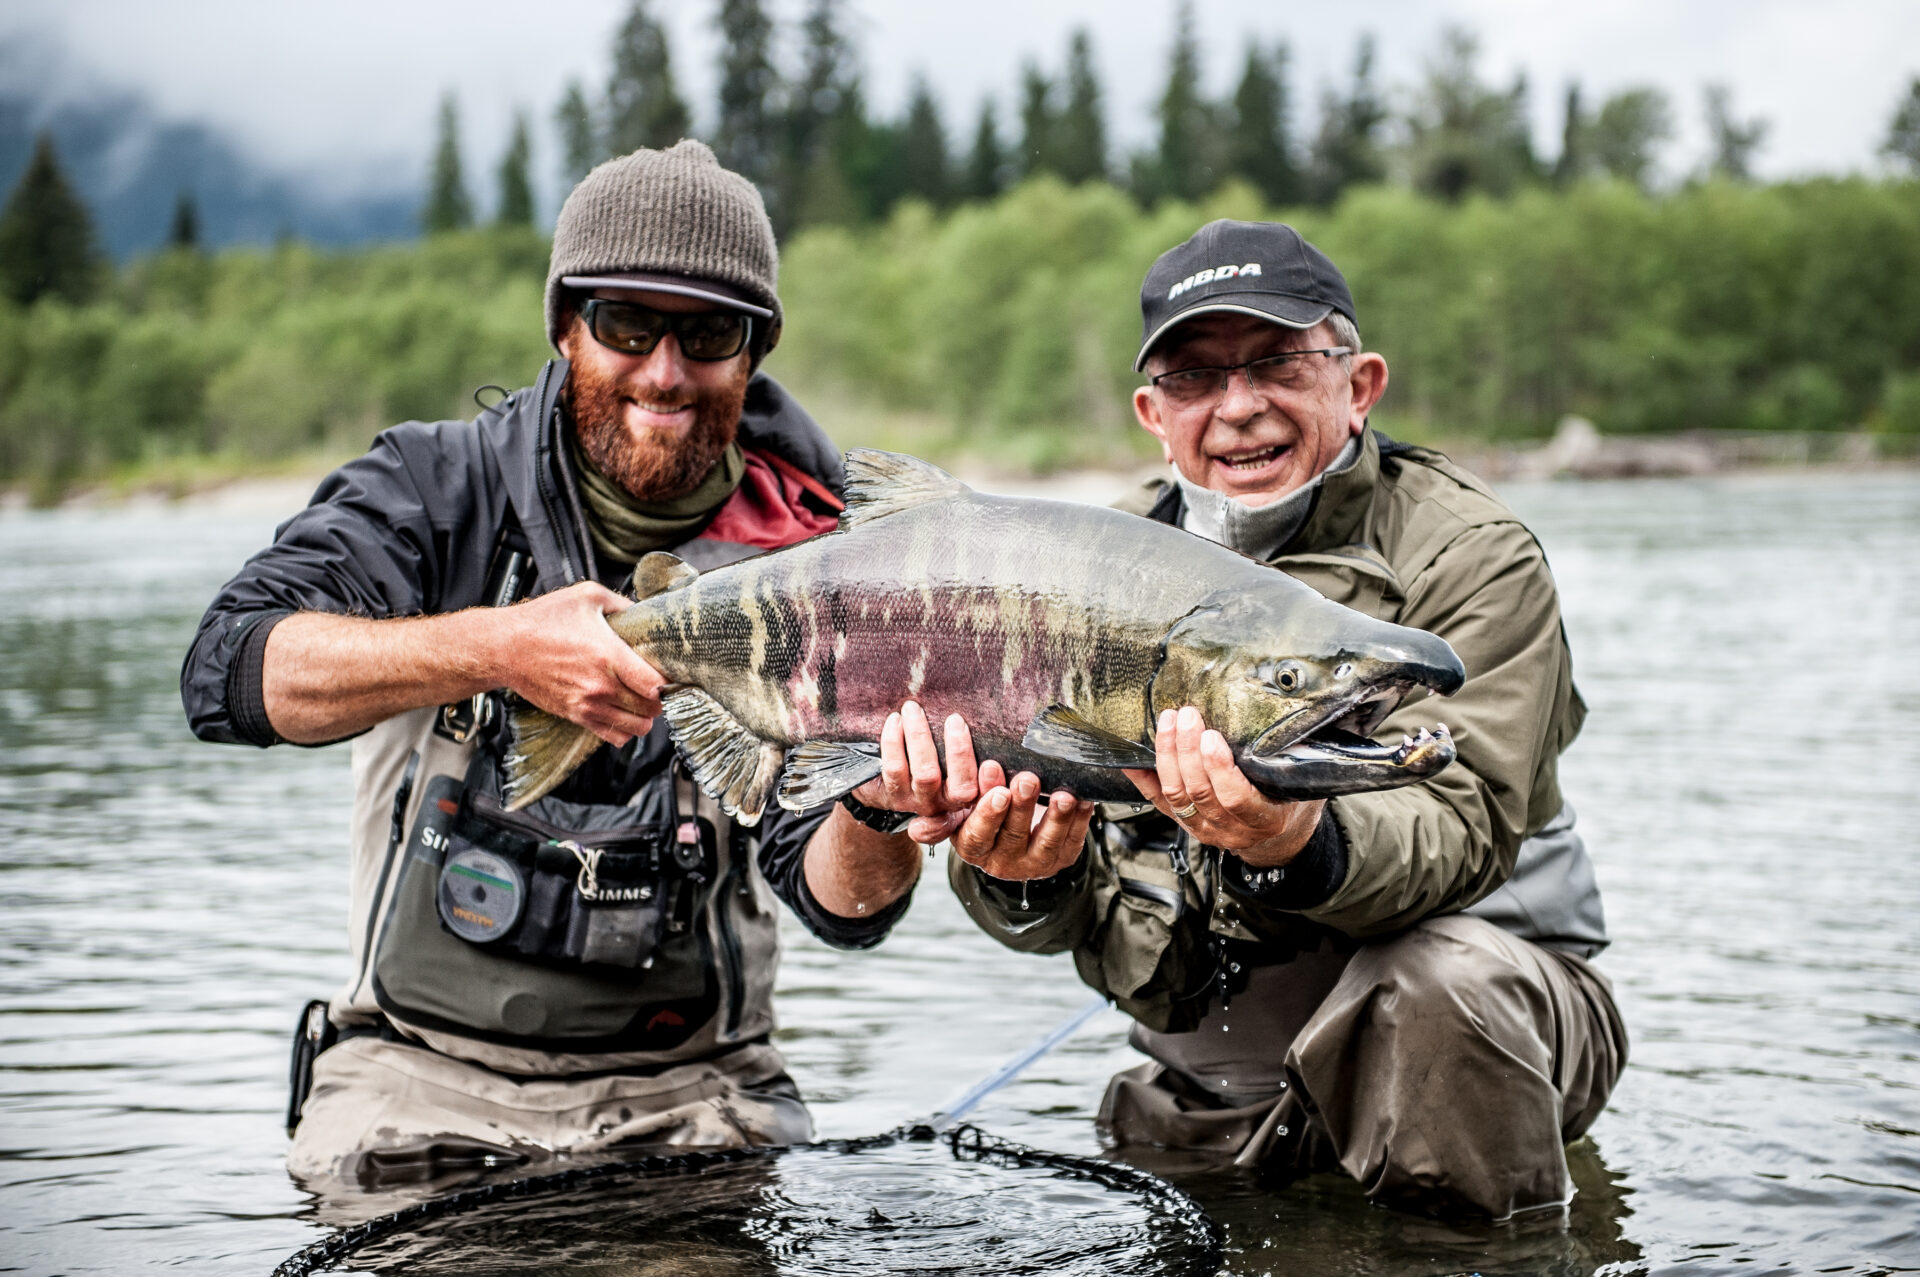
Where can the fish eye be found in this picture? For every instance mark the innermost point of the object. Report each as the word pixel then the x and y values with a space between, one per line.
pixel 1289 677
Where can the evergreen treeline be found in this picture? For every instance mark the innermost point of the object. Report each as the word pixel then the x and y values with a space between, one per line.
pixel 805 133
pixel 982 296
pixel 1006 328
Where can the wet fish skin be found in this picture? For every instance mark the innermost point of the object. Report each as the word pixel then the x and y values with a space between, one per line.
pixel 1057 630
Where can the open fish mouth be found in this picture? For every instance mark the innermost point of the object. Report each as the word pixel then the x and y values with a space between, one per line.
pixel 1343 734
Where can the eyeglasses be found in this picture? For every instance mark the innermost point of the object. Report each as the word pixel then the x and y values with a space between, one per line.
pixel 705 336
pixel 1288 370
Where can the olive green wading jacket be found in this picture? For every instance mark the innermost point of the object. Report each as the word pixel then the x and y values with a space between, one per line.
pixel 1408 537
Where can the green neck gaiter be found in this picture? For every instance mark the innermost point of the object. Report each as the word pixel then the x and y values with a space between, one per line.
pixel 625 528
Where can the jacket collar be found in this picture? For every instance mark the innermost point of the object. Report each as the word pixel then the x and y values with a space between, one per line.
pixel 1339 510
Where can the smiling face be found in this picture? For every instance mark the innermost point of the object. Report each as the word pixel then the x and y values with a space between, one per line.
pixel 1257 446
pixel 655 423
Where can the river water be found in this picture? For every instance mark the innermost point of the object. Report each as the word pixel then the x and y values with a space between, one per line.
pixel 1748 782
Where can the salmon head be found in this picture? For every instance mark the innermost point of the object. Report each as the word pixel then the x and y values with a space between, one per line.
pixel 1297 685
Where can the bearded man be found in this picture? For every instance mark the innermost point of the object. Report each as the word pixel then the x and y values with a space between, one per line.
pixel 595 971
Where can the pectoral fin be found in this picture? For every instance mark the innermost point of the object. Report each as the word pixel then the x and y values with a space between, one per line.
pixel 731 763
pixel 658 572
pixel 822 770
pixel 1060 732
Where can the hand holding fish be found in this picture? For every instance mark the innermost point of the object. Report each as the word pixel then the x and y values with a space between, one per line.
pixel 560 654
pixel 1195 781
pixel 994 824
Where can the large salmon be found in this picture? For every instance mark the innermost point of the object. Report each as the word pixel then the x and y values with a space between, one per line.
pixel 1058 630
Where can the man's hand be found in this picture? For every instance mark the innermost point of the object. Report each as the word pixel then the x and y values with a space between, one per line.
pixel 326 676
pixel 1193 766
pixel 558 652
pixel 994 825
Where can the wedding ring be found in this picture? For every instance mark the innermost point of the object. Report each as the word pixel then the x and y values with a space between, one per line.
pixel 1187 812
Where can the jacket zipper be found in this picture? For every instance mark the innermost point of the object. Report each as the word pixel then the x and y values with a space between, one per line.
pixel 401 797
pixel 542 476
pixel 1155 892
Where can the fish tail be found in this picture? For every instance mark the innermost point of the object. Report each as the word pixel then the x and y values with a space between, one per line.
pixel 546 750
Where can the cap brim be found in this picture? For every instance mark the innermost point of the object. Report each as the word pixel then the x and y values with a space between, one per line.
pixel 682 287
pixel 1291 312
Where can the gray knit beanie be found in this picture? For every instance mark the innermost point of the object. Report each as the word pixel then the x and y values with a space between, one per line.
pixel 671 212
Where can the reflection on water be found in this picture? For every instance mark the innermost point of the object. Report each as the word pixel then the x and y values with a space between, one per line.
pixel 1751 652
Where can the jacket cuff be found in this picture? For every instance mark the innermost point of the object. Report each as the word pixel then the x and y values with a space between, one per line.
pixel 1309 879
pixel 246 683
pixel 1034 896
pixel 863 932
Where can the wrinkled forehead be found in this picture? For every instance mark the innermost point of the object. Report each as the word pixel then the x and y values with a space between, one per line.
pixel 1228 337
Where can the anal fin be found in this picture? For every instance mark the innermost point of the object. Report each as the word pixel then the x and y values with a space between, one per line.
pixel 1060 732
pixel 546 750
pixel 822 770
pixel 732 764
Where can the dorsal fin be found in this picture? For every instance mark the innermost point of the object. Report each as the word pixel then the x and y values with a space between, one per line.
pixel 883 483
pixel 658 572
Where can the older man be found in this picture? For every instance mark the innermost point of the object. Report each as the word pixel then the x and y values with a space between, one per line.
pixel 597 970
pixel 1393 983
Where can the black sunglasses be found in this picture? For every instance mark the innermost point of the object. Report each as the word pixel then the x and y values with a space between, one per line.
pixel 705 336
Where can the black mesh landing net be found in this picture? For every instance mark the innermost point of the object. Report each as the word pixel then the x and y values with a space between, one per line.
pixel 908 1201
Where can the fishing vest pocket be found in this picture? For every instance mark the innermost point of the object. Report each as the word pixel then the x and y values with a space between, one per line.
pixel 568 925
pixel 1149 946
pixel 519 885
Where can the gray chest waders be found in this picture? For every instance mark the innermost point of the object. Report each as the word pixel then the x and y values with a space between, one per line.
pixel 567 926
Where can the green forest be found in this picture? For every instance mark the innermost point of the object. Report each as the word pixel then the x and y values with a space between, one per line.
pixel 978 300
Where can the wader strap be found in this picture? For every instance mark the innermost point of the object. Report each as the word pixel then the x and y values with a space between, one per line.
pixel 508 577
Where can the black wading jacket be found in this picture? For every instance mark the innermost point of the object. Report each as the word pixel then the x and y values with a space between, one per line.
pixel 411 529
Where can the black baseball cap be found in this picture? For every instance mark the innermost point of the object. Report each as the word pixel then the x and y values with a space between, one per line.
pixel 1254 268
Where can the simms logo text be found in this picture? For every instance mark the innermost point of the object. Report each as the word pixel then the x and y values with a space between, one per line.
pixel 1209 276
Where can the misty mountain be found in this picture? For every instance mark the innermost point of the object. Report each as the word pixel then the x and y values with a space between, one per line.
pixel 130 165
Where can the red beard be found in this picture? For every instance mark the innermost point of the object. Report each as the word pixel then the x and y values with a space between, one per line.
pixel 656 466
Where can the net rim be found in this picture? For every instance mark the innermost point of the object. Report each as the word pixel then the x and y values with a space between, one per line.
pixel 965 1141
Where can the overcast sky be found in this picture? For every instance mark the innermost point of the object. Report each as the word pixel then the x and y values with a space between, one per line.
pixel 346 90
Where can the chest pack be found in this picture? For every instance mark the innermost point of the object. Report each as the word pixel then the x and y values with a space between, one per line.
pixel 567 926
pixel 618 919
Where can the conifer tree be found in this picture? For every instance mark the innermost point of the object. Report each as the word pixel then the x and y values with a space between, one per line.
pixel 1260 145
pixel 1903 130
pixel 745 135
pixel 986 170
pixel 516 184
pixel 1626 133
pixel 1187 162
pixel 448 206
pixel 644 106
pixel 1731 143
pixel 1039 123
pixel 1463 135
pixel 184 230
pixel 47 245
pixel 826 125
pixel 579 139
pixel 1346 151
pixel 923 148
pixel 1080 132
pixel 1572 164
